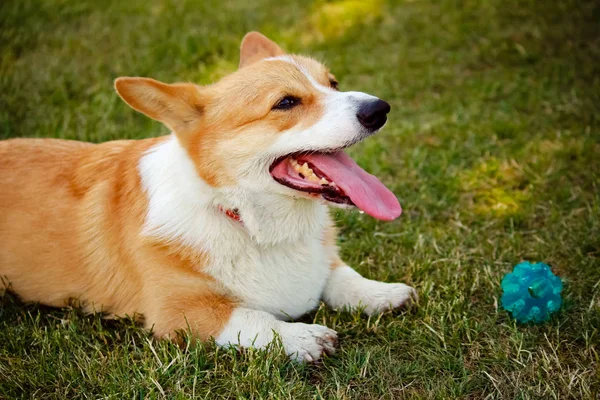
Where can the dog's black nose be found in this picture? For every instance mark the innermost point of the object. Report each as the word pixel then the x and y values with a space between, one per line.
pixel 372 114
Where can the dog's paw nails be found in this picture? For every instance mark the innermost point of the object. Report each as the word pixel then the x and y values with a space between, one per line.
pixel 329 342
pixel 389 296
pixel 407 295
pixel 306 342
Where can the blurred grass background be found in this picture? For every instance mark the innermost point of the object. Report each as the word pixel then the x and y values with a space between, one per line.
pixel 493 147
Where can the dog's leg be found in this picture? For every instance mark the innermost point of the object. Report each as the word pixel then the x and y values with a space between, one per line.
pixel 209 314
pixel 252 328
pixel 346 288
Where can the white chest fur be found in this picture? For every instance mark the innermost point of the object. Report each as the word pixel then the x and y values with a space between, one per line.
pixel 262 262
pixel 286 281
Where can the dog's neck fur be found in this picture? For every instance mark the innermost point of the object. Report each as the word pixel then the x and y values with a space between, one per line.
pixel 183 208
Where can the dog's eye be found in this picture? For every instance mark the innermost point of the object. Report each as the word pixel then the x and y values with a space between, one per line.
pixel 334 84
pixel 286 103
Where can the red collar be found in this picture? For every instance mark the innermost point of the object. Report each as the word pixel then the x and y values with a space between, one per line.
pixel 233 214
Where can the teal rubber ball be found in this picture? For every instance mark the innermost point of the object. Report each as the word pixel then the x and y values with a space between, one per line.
pixel 531 292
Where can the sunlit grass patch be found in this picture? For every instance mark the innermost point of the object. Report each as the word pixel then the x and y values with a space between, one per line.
pixel 495 187
pixel 330 20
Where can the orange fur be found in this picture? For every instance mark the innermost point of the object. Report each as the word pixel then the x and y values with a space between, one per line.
pixel 72 214
pixel 217 114
pixel 255 47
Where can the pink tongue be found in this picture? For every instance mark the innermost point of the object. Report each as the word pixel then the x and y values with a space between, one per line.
pixel 365 190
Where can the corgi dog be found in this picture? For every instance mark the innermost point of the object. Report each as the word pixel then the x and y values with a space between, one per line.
pixel 220 228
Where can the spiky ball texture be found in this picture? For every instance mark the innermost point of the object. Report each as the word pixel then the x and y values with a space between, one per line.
pixel 531 292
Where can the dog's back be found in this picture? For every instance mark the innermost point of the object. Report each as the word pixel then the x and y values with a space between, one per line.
pixel 34 200
pixel 59 214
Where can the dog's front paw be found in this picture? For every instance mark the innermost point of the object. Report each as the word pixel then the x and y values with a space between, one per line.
pixel 382 296
pixel 306 342
pixel 347 289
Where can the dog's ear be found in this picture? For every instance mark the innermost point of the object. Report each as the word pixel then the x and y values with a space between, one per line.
pixel 255 47
pixel 179 106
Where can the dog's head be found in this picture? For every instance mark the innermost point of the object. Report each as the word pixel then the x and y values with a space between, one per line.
pixel 277 125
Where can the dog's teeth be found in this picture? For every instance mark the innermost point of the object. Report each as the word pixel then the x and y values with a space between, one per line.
pixel 307 173
pixel 296 166
pixel 313 178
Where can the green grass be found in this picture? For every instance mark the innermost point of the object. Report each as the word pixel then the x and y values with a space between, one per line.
pixel 493 147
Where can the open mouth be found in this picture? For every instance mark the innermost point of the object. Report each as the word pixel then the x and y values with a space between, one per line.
pixel 337 178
